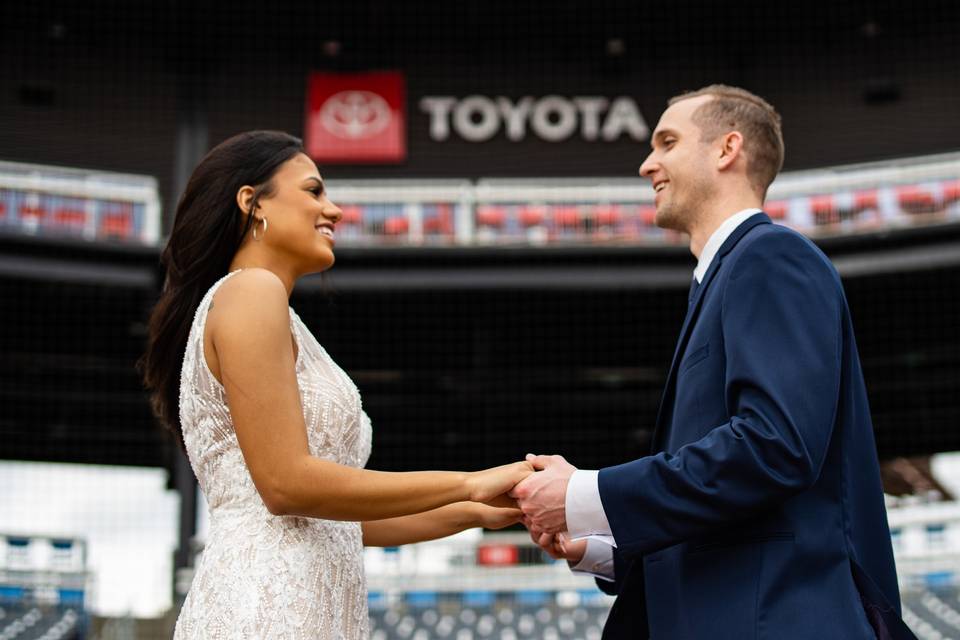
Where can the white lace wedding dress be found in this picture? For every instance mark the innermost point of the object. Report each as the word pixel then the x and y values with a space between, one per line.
pixel 263 576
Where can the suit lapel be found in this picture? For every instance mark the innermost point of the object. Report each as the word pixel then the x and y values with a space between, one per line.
pixel 690 320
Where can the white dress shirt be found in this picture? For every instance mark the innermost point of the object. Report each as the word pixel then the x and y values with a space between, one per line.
pixel 585 515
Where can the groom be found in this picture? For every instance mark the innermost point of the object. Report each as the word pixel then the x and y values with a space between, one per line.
pixel 759 513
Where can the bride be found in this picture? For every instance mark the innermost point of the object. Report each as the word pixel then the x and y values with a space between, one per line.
pixel 274 429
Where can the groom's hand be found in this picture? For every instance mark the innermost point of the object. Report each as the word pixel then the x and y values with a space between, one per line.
pixel 542 495
pixel 559 546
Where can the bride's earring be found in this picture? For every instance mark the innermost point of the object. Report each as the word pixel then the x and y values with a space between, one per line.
pixel 255 225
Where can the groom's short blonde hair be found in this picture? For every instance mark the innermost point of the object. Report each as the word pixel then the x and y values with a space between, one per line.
pixel 736 109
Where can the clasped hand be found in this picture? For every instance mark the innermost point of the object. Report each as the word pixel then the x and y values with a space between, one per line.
pixel 542 498
pixel 539 489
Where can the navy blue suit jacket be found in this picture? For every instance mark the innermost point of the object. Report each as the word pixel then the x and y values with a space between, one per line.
pixel 760 512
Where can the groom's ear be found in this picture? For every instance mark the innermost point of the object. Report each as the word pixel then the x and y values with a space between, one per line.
pixel 731 147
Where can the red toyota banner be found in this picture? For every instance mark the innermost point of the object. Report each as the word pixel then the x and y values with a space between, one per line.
pixel 356 118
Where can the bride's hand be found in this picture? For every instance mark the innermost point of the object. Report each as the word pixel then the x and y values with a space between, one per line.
pixel 496 517
pixel 503 501
pixel 490 484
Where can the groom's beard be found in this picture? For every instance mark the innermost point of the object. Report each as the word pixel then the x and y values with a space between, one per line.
pixel 684 205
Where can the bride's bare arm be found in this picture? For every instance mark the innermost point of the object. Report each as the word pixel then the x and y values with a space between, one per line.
pixel 437 523
pixel 250 331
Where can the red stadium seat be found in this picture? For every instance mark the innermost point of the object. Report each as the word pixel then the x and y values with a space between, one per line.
pixel 824 210
pixel 607 215
pixel 777 209
pixel 951 191
pixel 821 203
pixel 648 215
pixel 914 199
pixel 531 216
pixel 566 216
pixel 117 225
pixel 397 225
pixel 865 200
pixel 70 217
pixel 490 216
pixel 352 214
pixel 32 213
pixel 441 222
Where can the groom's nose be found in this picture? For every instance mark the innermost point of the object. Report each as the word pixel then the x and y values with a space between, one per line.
pixel 649 167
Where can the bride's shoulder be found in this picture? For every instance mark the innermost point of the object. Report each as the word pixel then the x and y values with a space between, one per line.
pixel 254 280
pixel 252 286
pixel 250 298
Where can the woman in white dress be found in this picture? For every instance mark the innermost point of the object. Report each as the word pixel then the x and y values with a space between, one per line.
pixel 274 429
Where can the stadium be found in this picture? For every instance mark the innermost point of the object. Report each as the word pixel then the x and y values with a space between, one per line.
pixel 500 286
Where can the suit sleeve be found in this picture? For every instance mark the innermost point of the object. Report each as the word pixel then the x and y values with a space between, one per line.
pixel 620 569
pixel 781 324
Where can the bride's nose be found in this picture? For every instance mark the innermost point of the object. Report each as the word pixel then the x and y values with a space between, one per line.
pixel 332 212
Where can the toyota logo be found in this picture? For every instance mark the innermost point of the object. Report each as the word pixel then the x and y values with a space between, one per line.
pixel 355 114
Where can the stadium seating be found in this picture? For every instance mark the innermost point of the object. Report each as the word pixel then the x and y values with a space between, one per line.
pixel 934 613
pixel 25 622
pixel 479 615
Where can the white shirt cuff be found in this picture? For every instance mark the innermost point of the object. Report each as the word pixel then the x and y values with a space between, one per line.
pixel 597 559
pixel 585 515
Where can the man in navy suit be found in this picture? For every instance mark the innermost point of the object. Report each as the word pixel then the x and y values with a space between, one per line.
pixel 759 513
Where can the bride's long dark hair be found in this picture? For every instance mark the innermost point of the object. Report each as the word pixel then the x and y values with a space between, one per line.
pixel 208 228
